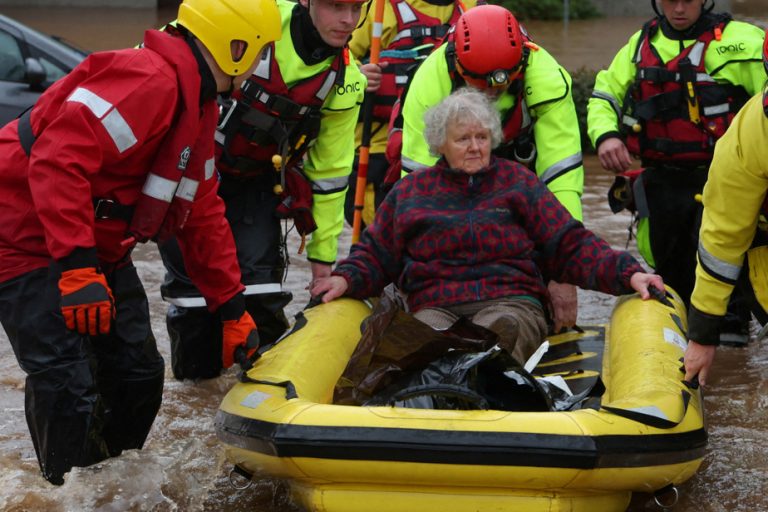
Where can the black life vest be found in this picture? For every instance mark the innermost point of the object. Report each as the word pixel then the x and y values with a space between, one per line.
pixel 676 111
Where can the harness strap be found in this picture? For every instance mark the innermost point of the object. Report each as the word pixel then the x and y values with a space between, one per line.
pixel 26 136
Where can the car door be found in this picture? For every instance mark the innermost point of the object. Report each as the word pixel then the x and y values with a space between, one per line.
pixel 15 93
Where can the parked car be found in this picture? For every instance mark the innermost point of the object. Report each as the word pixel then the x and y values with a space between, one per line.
pixel 29 63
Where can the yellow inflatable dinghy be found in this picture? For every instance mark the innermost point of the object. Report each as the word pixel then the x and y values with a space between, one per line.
pixel 647 432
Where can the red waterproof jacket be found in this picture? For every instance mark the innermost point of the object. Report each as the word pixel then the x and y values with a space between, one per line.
pixel 99 131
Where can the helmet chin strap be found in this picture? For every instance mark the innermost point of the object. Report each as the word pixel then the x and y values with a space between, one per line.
pixel 228 93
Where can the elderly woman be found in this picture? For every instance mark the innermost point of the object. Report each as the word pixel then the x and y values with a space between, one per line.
pixel 477 236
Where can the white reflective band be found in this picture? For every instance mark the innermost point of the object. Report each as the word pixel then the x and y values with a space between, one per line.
pixel 160 188
pixel 716 109
pixel 219 137
pixel 96 104
pixel 263 68
pixel 210 167
pixel 610 99
pixel 118 129
pixel 114 123
pixel 329 185
pixel 723 269
pixel 696 54
pixel 703 77
pixel 186 302
pixel 378 29
pixel 401 79
pixel 187 189
pixel 326 88
pixel 260 289
pixel 199 302
pixel 406 13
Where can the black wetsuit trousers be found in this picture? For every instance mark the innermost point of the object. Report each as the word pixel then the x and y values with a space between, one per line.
pixel 87 398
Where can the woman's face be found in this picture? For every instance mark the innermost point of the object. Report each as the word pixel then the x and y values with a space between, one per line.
pixel 467 146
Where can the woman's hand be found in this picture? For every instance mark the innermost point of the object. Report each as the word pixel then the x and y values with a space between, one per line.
pixel 564 305
pixel 640 281
pixel 329 287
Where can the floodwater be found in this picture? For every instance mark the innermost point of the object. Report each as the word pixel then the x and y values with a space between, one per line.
pixel 181 467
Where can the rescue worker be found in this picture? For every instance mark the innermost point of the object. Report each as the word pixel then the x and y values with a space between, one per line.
pixel 411 29
pixel 490 51
pixel 117 152
pixel 733 242
pixel 667 97
pixel 296 114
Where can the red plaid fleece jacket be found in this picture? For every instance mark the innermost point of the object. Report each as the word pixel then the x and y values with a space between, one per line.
pixel 445 237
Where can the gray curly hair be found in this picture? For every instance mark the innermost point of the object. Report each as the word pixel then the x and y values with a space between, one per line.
pixel 463 105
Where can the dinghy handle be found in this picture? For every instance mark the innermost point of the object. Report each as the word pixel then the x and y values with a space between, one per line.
pixel 243 474
pixel 672 492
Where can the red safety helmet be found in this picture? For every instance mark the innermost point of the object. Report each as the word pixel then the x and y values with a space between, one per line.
pixel 489 46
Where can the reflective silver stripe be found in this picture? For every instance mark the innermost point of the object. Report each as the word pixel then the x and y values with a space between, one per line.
pixel 406 13
pixel 610 99
pixel 326 88
pixel 696 53
pixel 187 189
pixel 186 302
pixel 118 129
pixel 199 302
pixel 401 79
pixel 160 188
pixel 95 104
pixel 328 185
pixel 704 77
pixel 259 289
pixel 560 167
pixel 726 270
pixel 526 122
pixel 716 109
pixel 410 165
pixel 378 29
pixel 629 120
pixel 639 49
pixel 210 167
pixel 114 123
pixel 263 68
pixel 219 137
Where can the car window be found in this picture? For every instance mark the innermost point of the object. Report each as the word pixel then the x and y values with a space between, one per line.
pixel 53 70
pixel 11 61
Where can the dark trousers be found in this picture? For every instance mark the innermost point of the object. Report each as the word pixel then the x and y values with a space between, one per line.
pixel 195 333
pixel 674 222
pixel 87 398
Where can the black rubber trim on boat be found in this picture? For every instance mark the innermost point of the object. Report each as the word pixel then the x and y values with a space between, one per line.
pixel 460 447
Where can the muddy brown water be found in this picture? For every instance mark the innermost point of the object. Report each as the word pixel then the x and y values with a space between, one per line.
pixel 182 468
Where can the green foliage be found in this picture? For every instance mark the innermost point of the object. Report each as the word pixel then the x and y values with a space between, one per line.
pixel 549 9
pixel 583 83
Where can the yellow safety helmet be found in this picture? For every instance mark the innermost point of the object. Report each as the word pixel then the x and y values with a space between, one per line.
pixel 234 31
